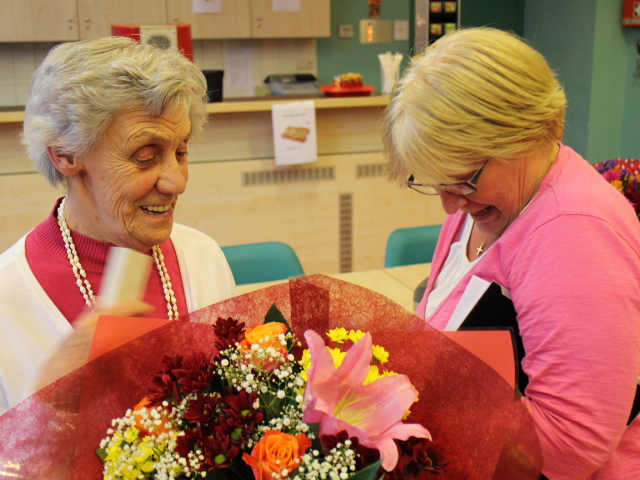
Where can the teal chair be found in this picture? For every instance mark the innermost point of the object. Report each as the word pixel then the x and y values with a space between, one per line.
pixel 262 262
pixel 408 246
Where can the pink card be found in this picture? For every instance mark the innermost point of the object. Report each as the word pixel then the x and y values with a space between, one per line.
pixel 113 332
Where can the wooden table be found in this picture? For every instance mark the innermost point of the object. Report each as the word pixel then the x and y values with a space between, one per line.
pixel 397 283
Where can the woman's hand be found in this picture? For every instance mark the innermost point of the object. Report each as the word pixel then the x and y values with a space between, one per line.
pixel 74 351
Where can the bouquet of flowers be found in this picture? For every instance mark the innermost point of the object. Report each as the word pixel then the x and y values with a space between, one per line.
pixel 209 401
pixel 263 406
pixel 623 175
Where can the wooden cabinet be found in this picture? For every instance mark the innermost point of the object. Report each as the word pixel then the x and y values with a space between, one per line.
pixel 313 20
pixel 254 19
pixel 233 22
pixel 96 16
pixel 38 21
pixel 68 20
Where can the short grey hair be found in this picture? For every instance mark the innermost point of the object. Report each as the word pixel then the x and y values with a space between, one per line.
pixel 80 87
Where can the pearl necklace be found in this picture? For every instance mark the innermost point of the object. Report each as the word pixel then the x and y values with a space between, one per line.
pixel 81 276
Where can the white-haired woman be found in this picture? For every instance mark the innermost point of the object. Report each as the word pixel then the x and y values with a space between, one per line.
pixel 477 119
pixel 110 120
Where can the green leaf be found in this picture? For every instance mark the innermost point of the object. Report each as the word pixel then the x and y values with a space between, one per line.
pixel 102 453
pixel 367 473
pixel 274 315
pixel 314 428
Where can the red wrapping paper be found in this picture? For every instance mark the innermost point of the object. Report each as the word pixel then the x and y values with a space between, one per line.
pixel 486 430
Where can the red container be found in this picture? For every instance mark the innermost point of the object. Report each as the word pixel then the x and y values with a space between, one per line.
pixel 337 91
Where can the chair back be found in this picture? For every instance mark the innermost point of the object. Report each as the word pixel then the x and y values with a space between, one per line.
pixel 262 262
pixel 407 246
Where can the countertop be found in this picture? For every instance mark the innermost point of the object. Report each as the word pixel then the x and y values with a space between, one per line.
pixel 249 104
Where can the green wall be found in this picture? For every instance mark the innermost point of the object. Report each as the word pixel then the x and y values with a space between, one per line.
pixel 595 58
pixel 504 14
pixel 630 143
pixel 608 80
pixel 564 32
pixel 341 55
pixel 583 40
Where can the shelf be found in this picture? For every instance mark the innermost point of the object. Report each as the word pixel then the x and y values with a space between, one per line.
pixel 254 104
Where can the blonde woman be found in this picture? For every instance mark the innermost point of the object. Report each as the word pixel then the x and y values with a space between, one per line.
pixel 478 119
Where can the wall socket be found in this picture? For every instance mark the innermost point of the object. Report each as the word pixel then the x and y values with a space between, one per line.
pixel 345 31
pixel 401 30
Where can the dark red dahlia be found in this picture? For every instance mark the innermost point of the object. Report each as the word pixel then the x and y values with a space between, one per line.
pixel 186 442
pixel 420 455
pixel 218 452
pixel 164 384
pixel 202 409
pixel 228 332
pixel 241 415
pixel 195 373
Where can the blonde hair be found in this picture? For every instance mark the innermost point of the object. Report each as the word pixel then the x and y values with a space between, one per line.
pixel 80 87
pixel 476 93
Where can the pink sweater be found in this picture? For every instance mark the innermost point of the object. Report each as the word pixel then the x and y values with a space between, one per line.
pixel 571 261
pixel 47 258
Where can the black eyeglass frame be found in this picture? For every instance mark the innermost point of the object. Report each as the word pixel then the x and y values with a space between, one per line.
pixel 465 188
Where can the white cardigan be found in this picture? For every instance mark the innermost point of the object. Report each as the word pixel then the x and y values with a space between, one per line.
pixel 32 327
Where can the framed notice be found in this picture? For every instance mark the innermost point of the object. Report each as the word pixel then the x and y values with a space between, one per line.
pixel 294 132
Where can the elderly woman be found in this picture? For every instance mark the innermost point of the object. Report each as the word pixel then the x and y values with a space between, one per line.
pixel 111 120
pixel 477 119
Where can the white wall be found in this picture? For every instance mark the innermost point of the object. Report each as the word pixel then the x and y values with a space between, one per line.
pixel 265 57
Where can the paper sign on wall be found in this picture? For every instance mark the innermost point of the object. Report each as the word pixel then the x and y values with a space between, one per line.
pixel 207 6
pixel 286 5
pixel 294 132
pixel 238 66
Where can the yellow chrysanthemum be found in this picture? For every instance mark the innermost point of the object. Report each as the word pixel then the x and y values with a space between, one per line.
pixel 355 335
pixel 380 354
pixel 338 335
pixel 373 375
pixel 131 434
pixel 337 356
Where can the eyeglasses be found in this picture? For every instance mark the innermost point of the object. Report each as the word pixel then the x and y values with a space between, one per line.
pixel 466 187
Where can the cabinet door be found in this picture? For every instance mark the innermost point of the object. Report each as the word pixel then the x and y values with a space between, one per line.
pixel 38 21
pixel 96 16
pixel 234 20
pixel 312 20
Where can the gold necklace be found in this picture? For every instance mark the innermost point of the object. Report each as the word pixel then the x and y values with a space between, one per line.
pixel 480 246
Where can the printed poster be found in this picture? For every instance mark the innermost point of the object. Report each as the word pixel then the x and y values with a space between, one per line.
pixel 294 132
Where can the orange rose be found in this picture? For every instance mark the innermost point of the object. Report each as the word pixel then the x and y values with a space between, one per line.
pixel 275 452
pixel 253 335
pixel 256 333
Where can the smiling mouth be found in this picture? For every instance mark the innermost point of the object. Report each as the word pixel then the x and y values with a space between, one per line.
pixel 156 209
pixel 481 212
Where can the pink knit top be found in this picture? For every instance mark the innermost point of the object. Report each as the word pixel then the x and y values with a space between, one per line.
pixel 47 257
pixel 571 261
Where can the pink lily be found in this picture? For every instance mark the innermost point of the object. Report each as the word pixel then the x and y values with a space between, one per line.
pixel 338 400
